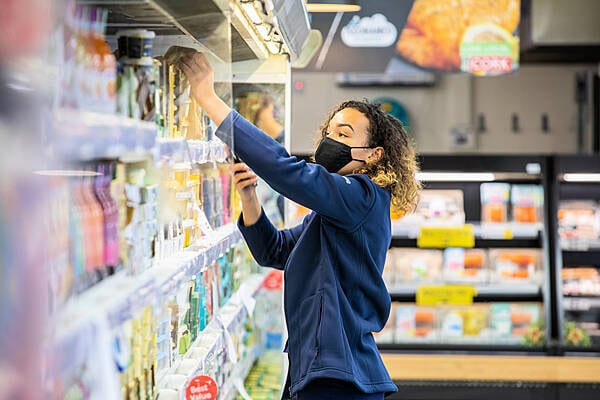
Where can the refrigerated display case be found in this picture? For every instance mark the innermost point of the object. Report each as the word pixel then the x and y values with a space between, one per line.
pixel 501 200
pixel 576 191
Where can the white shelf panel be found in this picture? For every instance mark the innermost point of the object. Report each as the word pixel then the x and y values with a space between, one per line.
pixel 503 231
pixel 501 290
pixel 82 136
pixel 581 303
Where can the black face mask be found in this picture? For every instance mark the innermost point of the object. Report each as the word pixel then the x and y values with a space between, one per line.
pixel 334 155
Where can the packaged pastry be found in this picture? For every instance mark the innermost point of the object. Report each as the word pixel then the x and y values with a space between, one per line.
pixel 527 203
pixel 516 265
pixel 415 265
pixel 494 201
pixel 465 265
pixel 438 207
pixel 578 223
pixel 580 281
pixel 415 323
pixel 513 320
pixel 465 323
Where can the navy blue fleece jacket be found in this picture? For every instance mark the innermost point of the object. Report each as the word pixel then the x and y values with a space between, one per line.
pixel 334 292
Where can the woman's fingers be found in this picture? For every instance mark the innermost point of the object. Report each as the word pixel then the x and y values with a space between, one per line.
pixel 243 176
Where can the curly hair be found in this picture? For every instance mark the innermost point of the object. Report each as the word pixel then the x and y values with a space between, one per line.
pixel 395 171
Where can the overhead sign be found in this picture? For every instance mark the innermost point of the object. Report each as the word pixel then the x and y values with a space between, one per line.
pixel 478 37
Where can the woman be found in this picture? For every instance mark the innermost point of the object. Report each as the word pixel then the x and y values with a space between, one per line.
pixel 335 296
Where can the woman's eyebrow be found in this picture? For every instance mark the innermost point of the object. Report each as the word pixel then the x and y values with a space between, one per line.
pixel 348 125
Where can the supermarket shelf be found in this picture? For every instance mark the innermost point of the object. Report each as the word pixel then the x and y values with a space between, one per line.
pixel 120 297
pixel 201 21
pixel 516 235
pixel 581 303
pixel 240 369
pixel 450 367
pixel 485 293
pixel 81 135
pixel 591 257
pixel 238 375
pixel 595 350
pixel 479 243
pixel 206 24
pixel 462 347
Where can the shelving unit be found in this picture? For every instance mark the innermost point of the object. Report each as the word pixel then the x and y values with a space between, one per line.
pixel 467 173
pixel 223 30
pixel 575 178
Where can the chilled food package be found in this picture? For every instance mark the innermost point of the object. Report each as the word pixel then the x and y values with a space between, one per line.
pixel 516 323
pixel 465 265
pixel 582 281
pixel 578 224
pixel 465 324
pixel 445 207
pixel 494 201
pixel 527 203
pixel 516 265
pixel 414 323
pixel 408 266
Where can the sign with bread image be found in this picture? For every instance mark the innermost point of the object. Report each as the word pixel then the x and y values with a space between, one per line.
pixel 475 36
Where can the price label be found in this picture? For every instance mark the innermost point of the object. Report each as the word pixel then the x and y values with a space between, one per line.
pixel 456 295
pixel 442 237
pixel 201 387
pixel 274 281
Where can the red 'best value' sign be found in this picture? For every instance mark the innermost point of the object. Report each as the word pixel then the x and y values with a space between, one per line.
pixel 201 387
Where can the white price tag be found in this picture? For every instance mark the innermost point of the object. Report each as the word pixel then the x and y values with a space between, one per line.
pixel 203 221
pixel 247 299
pixel 239 385
pixel 231 353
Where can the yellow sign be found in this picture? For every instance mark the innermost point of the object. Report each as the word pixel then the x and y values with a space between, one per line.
pixel 456 295
pixel 442 237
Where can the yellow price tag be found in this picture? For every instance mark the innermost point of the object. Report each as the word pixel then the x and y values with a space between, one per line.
pixel 456 295
pixel 508 234
pixel 442 237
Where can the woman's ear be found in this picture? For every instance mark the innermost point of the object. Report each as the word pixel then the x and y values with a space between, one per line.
pixel 376 155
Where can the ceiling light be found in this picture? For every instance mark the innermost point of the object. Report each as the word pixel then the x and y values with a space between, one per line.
pixel 455 176
pixel 274 47
pixel 264 31
pixel 251 12
pixel 332 6
pixel 581 177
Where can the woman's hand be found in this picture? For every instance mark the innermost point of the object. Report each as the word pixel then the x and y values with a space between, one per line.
pixel 201 77
pixel 245 182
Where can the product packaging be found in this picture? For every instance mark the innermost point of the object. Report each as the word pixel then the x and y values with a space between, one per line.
pixel 494 201
pixel 414 323
pixel 438 207
pixel 578 225
pixel 581 281
pixel 516 265
pixel 465 265
pixel 465 324
pixel 512 323
pixel 407 266
pixel 527 203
